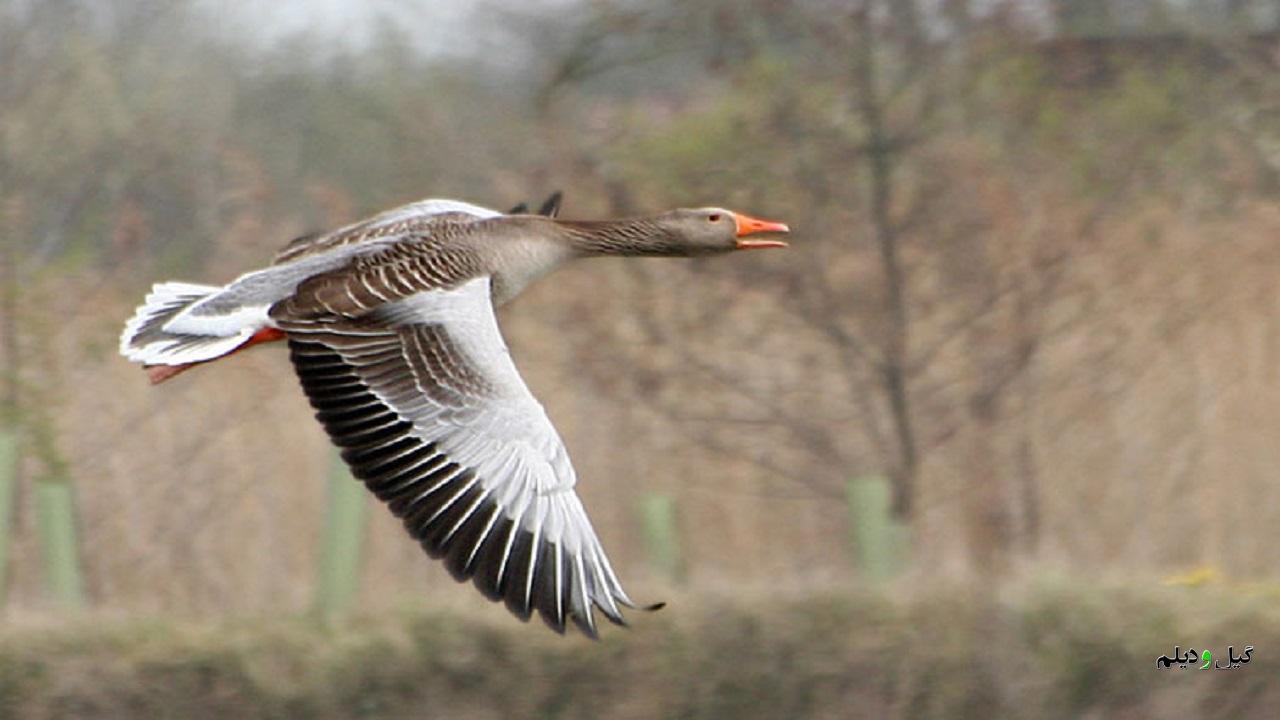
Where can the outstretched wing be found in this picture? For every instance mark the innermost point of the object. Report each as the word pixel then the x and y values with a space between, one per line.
pixel 243 303
pixel 549 208
pixel 423 397
pixel 392 224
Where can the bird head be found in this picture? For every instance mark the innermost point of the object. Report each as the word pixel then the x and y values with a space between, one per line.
pixel 703 231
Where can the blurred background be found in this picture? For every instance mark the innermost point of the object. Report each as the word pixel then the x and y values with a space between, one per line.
pixel 1016 383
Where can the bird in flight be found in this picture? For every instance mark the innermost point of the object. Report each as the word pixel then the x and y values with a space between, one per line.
pixel 391 329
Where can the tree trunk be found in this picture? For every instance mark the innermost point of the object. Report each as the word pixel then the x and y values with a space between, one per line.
pixel 892 370
pixel 989 525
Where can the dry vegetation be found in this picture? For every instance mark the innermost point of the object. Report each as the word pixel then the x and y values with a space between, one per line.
pixel 1031 283
pixel 1046 650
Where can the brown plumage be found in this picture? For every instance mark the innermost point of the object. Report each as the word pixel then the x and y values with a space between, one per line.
pixel 391 329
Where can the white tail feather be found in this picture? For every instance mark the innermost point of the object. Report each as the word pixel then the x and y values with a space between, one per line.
pixel 148 339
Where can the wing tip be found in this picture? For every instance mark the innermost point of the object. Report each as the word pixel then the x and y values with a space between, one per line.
pixel 508 558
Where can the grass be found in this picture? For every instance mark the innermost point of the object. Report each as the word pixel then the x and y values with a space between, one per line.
pixel 1042 650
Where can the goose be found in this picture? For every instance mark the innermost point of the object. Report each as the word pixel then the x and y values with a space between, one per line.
pixel 391 330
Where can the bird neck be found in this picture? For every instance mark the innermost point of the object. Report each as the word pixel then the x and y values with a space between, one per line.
pixel 634 236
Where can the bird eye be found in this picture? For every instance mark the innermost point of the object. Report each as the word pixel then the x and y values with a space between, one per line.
pixel 714 217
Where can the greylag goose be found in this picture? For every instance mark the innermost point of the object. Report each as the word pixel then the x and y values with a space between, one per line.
pixel 391 329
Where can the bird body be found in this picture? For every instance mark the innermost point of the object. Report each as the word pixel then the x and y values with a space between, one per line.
pixel 391 329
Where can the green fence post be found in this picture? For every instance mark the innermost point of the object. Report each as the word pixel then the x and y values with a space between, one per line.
pixel 661 540
pixel 342 544
pixel 56 518
pixel 881 544
pixel 8 485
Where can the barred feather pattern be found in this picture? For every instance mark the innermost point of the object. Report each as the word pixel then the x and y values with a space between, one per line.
pixel 422 397
pixel 421 217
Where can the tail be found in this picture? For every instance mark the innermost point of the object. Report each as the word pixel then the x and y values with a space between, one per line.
pixel 151 338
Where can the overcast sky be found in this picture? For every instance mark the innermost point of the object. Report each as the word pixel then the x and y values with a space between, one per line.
pixel 346 20
pixel 438 26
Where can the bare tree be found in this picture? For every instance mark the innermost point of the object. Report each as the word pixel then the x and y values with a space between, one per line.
pixel 906 364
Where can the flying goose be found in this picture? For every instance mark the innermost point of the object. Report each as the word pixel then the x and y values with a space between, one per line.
pixel 391 329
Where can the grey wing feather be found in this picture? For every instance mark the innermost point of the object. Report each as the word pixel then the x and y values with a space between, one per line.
pixel 416 217
pixel 432 415
pixel 312 255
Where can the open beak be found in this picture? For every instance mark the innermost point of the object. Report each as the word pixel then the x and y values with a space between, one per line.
pixel 748 225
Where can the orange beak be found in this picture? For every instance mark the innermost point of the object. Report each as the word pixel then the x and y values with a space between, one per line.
pixel 748 225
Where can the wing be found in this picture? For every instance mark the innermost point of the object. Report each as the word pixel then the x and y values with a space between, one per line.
pixel 245 301
pixel 423 397
pixel 406 219
pixel 549 208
